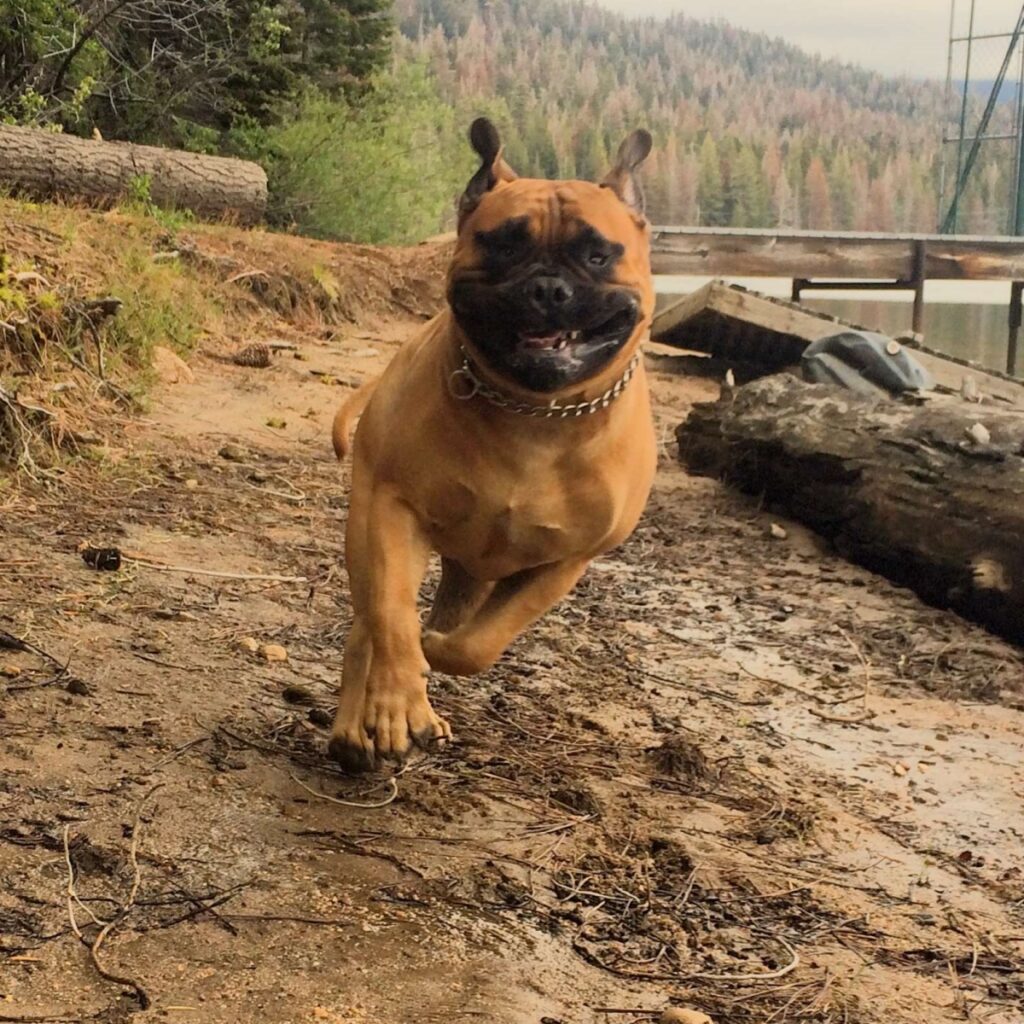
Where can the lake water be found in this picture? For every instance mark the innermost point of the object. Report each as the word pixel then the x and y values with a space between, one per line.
pixel 968 319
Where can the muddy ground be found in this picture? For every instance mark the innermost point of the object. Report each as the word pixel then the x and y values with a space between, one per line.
pixel 731 773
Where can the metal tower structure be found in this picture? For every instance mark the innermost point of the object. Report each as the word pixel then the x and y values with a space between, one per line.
pixel 989 66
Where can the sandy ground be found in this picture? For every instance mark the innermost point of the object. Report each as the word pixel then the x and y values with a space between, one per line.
pixel 731 773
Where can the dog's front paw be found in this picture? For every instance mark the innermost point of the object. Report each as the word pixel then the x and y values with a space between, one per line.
pixel 397 720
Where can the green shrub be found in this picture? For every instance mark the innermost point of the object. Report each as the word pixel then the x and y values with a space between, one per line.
pixel 387 170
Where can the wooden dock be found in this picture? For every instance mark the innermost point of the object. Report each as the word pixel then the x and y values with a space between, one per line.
pixel 756 334
pixel 832 260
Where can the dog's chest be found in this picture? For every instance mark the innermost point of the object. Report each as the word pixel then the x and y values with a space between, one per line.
pixel 495 533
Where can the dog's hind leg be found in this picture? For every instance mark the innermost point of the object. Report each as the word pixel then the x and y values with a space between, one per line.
pixel 514 604
pixel 458 597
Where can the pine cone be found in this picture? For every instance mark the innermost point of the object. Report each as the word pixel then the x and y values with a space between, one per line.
pixel 256 356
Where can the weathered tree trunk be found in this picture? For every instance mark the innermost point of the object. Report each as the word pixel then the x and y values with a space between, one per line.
pixel 917 492
pixel 48 165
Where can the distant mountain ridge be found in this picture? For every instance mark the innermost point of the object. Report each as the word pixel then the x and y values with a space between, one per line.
pixel 751 130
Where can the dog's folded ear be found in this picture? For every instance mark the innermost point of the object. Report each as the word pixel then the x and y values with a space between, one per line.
pixel 622 178
pixel 484 138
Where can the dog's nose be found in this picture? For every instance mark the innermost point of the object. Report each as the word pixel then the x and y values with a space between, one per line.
pixel 550 292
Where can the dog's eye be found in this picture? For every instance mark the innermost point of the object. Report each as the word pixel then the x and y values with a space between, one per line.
pixel 598 259
pixel 506 252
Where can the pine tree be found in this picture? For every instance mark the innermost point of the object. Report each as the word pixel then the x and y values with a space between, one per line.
pixel 843 211
pixel 818 214
pixel 710 194
pixel 750 207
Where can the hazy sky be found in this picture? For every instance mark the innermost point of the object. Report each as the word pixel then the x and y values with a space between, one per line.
pixel 894 36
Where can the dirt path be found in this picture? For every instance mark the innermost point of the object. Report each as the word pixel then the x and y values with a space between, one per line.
pixel 653 798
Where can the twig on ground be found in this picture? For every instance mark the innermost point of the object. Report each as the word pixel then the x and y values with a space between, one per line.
pixel 298 497
pixel 14 643
pixel 177 752
pixel 94 950
pixel 193 571
pixel 864 716
pixel 704 690
pixel 245 274
pixel 72 894
pixel 389 799
pixel 292 919
pixel 105 928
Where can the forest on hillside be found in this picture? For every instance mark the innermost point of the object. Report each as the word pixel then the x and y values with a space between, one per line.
pixel 752 132
pixel 358 108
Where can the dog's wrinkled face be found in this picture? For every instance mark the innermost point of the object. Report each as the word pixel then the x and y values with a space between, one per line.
pixel 551 280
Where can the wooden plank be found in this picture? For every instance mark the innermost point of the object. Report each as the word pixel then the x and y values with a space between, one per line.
pixel 844 256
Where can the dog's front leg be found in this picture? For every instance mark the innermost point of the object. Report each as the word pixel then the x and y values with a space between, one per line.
pixel 513 605
pixel 395 711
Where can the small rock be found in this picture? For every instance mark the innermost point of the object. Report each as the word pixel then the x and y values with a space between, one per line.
pixel 730 378
pixel 191 484
pixel 296 694
pixel 979 434
pixel 273 652
pixel 276 423
pixel 777 532
pixel 900 769
pixel 233 453
pixel 78 687
pixel 894 348
pixel 10 671
pixel 250 644
pixel 676 1015
pixel 170 368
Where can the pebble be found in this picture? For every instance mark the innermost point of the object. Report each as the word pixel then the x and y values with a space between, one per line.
pixel 979 434
pixel 250 644
pixel 273 652
pixel 777 532
pixel 676 1015
pixel 233 453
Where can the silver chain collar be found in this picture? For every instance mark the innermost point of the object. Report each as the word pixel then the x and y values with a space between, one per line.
pixel 475 386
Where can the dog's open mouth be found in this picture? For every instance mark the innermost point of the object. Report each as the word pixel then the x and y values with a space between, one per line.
pixel 611 329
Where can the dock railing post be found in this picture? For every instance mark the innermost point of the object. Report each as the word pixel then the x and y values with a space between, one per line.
pixel 918 279
pixel 1016 310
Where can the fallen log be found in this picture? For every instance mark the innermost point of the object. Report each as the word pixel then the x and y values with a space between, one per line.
pixel 47 165
pixel 929 493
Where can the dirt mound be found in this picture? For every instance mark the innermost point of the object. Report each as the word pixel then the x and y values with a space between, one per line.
pixel 85 298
